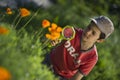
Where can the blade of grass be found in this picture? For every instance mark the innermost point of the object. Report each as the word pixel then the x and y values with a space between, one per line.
pixel 28 21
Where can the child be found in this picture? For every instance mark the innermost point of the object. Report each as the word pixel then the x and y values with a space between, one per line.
pixel 72 59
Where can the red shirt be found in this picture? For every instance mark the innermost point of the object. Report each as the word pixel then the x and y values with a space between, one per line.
pixel 67 58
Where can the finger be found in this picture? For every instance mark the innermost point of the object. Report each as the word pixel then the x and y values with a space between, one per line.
pixel 56 41
pixel 53 43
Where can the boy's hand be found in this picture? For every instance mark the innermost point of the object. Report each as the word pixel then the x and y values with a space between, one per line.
pixel 55 42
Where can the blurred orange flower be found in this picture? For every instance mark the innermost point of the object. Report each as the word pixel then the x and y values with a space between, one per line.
pixel 48 36
pixel 45 23
pixel 3 30
pixel 4 74
pixel 9 11
pixel 24 12
pixel 55 35
pixel 53 26
pixel 59 29
pixel 49 29
pixel 54 32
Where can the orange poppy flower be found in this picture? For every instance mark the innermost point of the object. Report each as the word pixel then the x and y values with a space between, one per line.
pixel 4 74
pixel 49 29
pixel 48 36
pixel 59 29
pixel 53 26
pixel 24 12
pixel 9 11
pixel 45 23
pixel 53 38
pixel 3 30
pixel 55 35
pixel 54 30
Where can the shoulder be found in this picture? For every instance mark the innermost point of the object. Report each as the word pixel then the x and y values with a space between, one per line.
pixel 94 53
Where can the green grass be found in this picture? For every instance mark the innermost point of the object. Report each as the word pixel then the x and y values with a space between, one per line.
pixel 22 54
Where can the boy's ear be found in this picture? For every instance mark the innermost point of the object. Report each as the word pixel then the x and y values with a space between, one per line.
pixel 100 40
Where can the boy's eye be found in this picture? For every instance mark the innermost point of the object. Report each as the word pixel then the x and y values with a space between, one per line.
pixel 89 28
pixel 93 32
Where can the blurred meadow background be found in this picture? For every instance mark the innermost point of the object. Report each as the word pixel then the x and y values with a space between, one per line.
pixel 27 26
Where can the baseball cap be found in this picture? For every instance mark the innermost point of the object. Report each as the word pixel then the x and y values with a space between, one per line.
pixel 104 24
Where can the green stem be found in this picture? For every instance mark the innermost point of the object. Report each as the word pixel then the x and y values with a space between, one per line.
pixel 29 20
pixel 40 33
pixel 44 44
pixel 2 17
pixel 39 37
pixel 18 22
pixel 15 20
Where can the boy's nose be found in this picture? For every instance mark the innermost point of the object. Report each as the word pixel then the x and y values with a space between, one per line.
pixel 88 32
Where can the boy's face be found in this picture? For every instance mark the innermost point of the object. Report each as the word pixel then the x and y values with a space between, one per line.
pixel 91 33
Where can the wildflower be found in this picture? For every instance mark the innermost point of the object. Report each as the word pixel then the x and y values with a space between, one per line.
pixel 24 12
pixel 59 29
pixel 49 29
pixel 9 11
pixel 54 30
pixel 48 36
pixel 3 30
pixel 4 74
pixel 45 23
pixel 54 34
pixel 53 26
